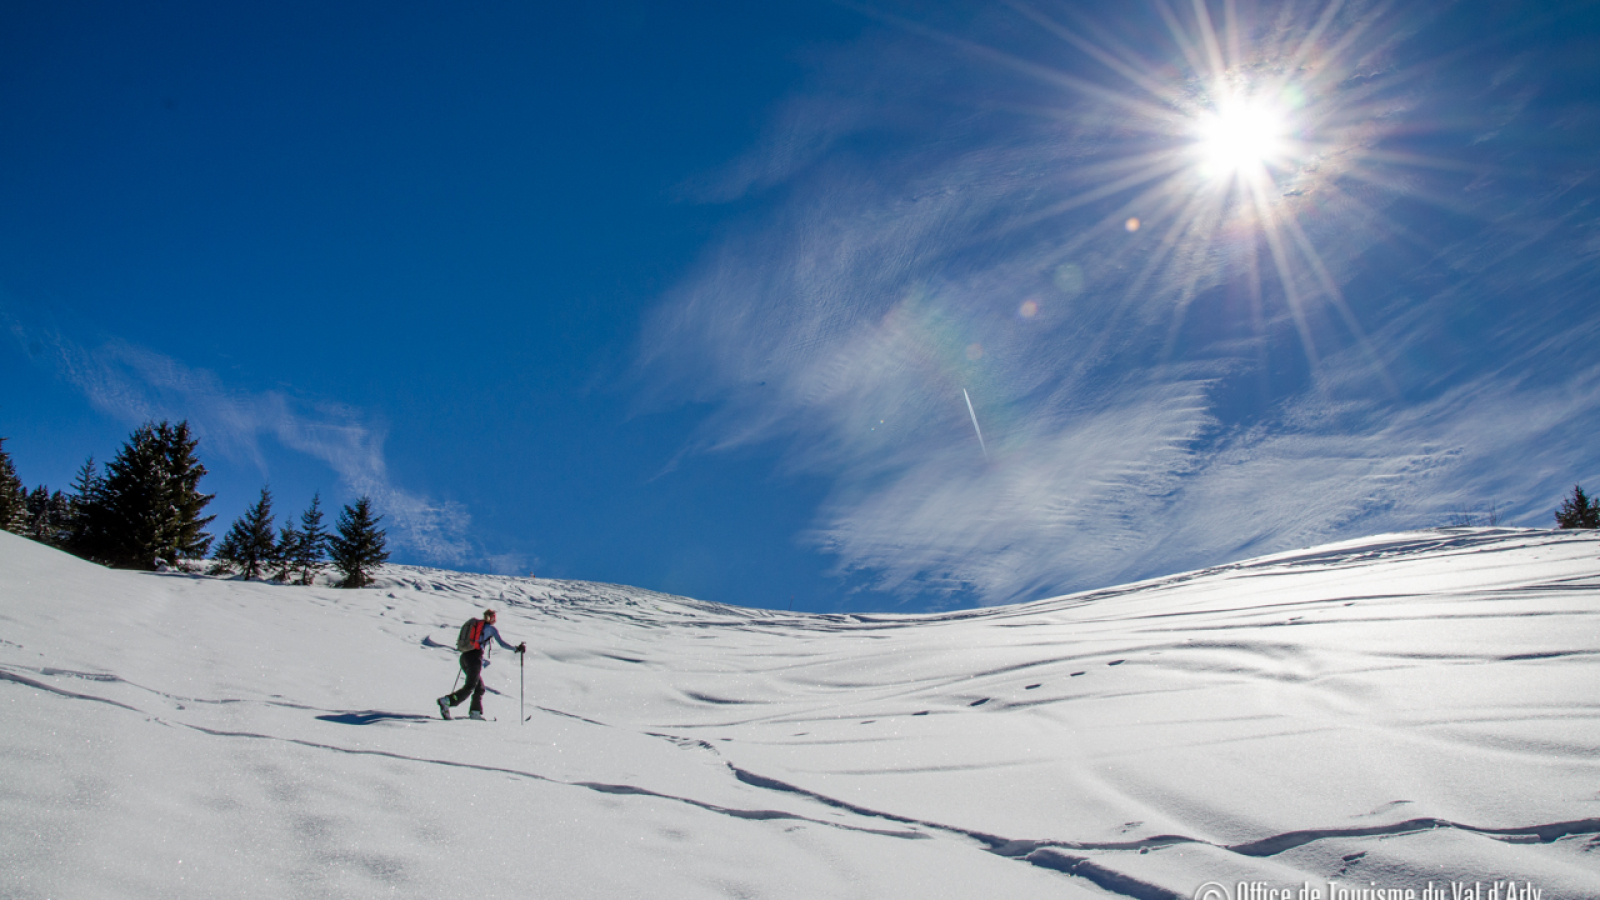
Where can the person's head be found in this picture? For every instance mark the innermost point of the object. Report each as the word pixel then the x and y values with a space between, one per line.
pixel 488 616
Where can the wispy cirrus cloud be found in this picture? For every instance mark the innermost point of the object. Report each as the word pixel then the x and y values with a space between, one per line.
pixel 1169 370
pixel 135 385
pixel 1139 491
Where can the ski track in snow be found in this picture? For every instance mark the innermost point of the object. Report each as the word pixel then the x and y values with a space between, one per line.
pixel 1225 725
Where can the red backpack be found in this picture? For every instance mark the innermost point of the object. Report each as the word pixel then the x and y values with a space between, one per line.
pixel 471 636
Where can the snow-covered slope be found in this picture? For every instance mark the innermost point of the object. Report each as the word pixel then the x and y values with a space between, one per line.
pixel 1390 712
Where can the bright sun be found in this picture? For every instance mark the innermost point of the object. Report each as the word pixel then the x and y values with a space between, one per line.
pixel 1240 136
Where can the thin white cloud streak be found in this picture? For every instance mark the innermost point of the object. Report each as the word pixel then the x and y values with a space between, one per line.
pixel 844 325
pixel 136 385
pixel 979 431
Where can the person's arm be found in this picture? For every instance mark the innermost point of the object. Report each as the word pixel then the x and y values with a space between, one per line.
pixel 495 633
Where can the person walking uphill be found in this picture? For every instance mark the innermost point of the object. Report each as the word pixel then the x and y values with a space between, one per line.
pixel 473 644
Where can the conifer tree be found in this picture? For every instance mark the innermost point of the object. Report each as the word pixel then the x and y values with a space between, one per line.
pixel 283 555
pixel 147 505
pixel 311 542
pixel 1578 511
pixel 49 517
pixel 13 498
pixel 358 546
pixel 79 536
pixel 248 546
pixel 36 522
pixel 185 471
pixel 130 520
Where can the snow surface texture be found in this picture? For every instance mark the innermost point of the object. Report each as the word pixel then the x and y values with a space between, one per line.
pixel 1388 712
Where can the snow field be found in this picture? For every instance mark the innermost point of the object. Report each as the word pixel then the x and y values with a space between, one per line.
pixel 1392 711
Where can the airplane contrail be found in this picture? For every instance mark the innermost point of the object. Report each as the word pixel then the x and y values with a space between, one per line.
pixel 974 414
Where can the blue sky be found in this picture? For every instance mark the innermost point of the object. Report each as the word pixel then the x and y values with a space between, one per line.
pixel 797 303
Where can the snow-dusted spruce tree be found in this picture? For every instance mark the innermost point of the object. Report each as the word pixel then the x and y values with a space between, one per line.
pixel 78 537
pixel 190 540
pixel 147 506
pixel 49 516
pixel 85 495
pixel 13 499
pixel 357 547
pixel 248 546
pixel 1578 511
pixel 310 544
pixel 283 553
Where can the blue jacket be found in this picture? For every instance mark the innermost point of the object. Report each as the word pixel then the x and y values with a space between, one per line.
pixel 489 631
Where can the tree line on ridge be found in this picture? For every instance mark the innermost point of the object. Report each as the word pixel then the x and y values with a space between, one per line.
pixel 144 510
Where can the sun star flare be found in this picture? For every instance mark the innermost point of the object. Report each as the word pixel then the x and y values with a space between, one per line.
pixel 1241 136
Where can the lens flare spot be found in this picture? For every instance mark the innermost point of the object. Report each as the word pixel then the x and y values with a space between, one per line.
pixel 1132 224
pixel 974 352
pixel 1029 309
pixel 1069 279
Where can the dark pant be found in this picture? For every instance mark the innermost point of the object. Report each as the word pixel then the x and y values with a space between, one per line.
pixel 472 664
